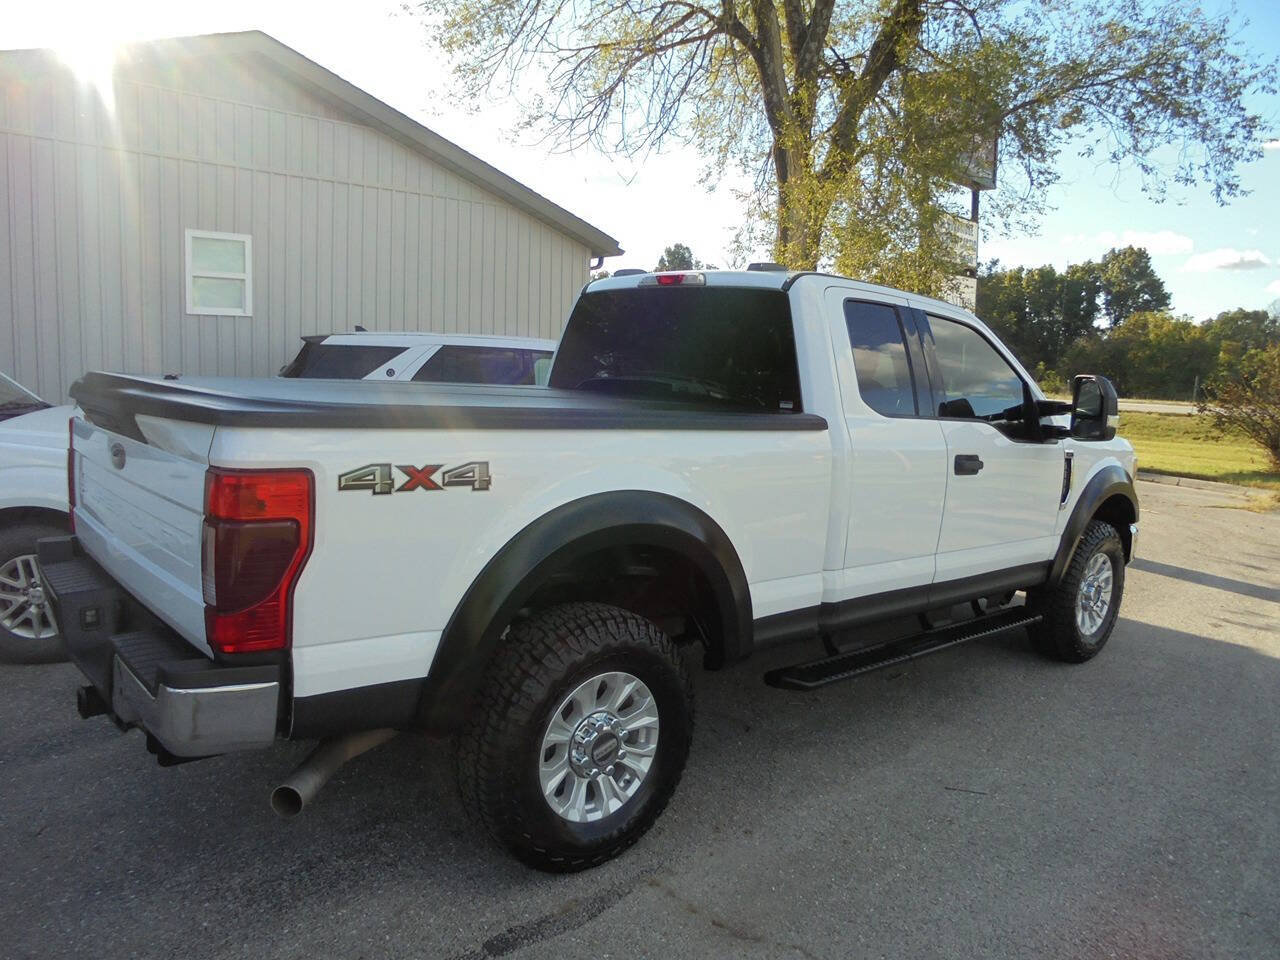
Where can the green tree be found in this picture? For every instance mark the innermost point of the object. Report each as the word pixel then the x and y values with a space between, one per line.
pixel 1130 284
pixel 1249 400
pixel 1244 329
pixel 1149 355
pixel 1235 333
pixel 1038 311
pixel 678 257
pixel 856 119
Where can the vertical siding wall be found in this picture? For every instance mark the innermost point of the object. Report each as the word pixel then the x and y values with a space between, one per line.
pixel 349 227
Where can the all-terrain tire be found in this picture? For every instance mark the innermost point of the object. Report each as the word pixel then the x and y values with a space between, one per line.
pixel 542 661
pixel 1061 635
pixel 20 644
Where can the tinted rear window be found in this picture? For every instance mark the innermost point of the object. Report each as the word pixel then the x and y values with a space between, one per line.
pixel 716 346
pixel 331 361
pixel 479 365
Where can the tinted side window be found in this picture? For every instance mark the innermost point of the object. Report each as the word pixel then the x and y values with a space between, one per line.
pixel 976 380
pixel 712 346
pixel 880 358
pixel 334 361
pixel 451 364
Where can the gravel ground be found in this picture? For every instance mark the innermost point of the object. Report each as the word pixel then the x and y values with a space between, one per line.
pixel 980 803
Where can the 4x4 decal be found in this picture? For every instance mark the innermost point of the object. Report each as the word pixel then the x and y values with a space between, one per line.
pixel 379 478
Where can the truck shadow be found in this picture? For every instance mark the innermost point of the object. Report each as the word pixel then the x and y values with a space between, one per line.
pixel 1242 587
pixel 388 843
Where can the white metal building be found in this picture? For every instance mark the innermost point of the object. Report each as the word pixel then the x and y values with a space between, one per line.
pixel 223 195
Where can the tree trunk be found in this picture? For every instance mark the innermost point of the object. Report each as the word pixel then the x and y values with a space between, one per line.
pixel 798 239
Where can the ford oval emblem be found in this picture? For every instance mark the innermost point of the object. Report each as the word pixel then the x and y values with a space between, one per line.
pixel 117 456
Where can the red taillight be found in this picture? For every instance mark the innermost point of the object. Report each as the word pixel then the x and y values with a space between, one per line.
pixel 71 474
pixel 670 279
pixel 257 536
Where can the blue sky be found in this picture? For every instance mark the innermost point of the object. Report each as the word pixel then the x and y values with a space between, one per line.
pixel 1212 258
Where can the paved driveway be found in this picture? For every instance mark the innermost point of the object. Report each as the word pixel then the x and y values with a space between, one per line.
pixel 980 803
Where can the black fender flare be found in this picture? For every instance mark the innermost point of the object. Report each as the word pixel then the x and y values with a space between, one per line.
pixel 1110 481
pixel 548 544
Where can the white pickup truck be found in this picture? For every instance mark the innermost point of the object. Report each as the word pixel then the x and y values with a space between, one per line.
pixel 722 459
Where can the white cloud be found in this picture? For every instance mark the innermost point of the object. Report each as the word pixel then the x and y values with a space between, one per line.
pixel 1157 243
pixel 1271 145
pixel 1226 258
pixel 1274 287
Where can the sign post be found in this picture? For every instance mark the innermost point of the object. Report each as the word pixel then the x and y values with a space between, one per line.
pixel 977 171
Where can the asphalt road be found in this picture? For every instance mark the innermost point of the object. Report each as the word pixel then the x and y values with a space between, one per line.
pixel 979 803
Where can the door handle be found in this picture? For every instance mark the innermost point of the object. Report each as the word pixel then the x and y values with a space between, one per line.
pixel 967 464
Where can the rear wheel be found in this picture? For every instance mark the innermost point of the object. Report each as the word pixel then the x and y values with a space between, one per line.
pixel 579 735
pixel 28 633
pixel 1081 610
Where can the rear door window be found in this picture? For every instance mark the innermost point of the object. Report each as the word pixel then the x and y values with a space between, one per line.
pixel 710 346
pixel 336 361
pixel 880 358
pixel 456 364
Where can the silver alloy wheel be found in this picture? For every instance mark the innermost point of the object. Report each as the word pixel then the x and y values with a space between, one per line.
pixel 24 608
pixel 598 747
pixel 1093 599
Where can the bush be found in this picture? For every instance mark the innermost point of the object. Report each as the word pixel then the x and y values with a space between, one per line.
pixel 1250 401
pixel 1051 381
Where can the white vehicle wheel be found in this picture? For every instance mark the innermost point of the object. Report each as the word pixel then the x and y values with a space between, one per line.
pixel 28 632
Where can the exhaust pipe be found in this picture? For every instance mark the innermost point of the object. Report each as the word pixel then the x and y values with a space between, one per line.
pixel 305 782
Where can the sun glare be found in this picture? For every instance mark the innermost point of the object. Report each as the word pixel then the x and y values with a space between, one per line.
pixel 92 59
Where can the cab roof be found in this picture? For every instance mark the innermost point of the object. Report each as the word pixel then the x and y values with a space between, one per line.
pixel 769 279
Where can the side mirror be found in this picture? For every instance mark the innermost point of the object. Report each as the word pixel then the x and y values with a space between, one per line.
pixel 1095 409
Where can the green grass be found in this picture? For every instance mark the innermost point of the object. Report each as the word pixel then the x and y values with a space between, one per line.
pixel 1188 446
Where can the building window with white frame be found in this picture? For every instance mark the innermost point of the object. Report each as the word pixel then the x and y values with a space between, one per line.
pixel 219 274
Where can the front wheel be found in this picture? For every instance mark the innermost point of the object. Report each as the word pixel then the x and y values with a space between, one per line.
pixel 28 633
pixel 579 735
pixel 1081 610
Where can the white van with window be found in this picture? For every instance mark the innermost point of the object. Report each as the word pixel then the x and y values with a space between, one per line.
pixel 423 358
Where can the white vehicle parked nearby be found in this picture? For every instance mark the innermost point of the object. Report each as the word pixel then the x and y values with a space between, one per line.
pixel 423 358
pixel 33 504
pixel 724 459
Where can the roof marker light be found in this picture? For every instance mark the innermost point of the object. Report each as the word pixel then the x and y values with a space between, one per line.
pixel 674 280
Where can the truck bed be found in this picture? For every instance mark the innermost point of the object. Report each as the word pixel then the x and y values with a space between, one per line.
pixel 112 400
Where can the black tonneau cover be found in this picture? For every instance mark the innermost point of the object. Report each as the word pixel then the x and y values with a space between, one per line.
pixel 112 400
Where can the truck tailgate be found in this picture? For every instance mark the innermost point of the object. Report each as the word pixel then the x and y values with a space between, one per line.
pixel 139 511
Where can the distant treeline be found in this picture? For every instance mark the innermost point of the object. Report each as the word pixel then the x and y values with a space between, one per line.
pixel 1111 317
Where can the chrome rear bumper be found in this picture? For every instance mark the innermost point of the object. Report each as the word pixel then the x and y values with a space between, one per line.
pixel 146 675
pixel 200 721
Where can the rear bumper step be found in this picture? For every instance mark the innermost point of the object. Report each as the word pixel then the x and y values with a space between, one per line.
pixel 144 675
pixel 843 666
